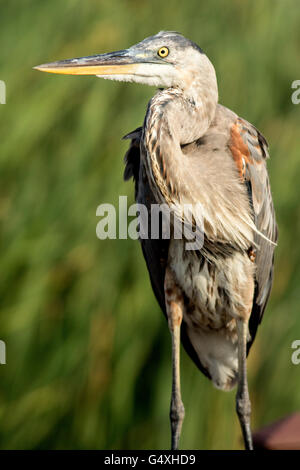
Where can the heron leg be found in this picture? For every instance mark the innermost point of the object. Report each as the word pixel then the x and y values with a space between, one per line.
pixel 174 307
pixel 243 404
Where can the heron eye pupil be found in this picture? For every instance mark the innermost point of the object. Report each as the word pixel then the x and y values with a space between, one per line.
pixel 163 52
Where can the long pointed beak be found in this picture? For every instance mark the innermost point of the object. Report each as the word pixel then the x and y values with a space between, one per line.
pixel 113 63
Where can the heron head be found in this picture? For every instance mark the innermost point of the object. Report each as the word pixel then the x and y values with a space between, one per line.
pixel 166 60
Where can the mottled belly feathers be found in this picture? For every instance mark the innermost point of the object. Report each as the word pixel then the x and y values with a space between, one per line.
pixel 215 294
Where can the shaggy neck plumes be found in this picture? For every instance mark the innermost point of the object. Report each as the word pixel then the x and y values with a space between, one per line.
pixel 176 117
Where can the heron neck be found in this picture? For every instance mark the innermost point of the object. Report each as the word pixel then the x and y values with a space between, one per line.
pixel 175 118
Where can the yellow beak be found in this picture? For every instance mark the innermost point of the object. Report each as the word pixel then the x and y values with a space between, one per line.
pixel 114 63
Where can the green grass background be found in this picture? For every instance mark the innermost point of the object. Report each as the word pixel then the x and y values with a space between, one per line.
pixel 88 351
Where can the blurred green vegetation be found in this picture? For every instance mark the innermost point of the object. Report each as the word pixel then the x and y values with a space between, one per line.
pixel 88 351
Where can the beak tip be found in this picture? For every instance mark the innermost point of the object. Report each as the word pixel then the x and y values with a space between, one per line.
pixel 47 68
pixel 38 67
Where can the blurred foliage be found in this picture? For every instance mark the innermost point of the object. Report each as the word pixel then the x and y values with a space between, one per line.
pixel 88 351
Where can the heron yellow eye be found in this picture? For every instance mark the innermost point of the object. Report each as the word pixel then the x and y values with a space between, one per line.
pixel 163 52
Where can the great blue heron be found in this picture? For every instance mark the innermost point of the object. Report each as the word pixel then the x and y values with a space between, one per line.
pixel 193 150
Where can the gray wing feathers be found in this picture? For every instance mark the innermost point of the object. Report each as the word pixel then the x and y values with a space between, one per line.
pixel 257 179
